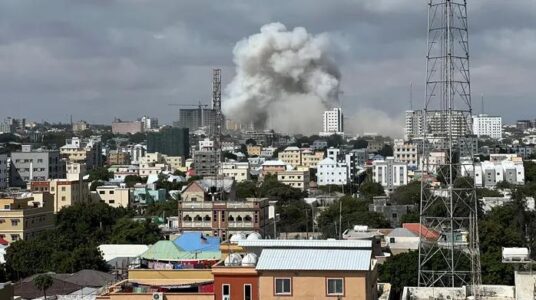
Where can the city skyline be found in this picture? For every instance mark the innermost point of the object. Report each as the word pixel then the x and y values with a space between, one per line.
pixel 101 60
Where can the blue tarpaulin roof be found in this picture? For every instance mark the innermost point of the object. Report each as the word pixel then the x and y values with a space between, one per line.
pixel 196 241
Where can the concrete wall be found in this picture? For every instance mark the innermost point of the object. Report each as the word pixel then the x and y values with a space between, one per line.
pixel 149 296
pixel 312 285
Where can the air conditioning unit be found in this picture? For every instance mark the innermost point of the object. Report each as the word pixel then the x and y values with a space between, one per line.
pixel 158 296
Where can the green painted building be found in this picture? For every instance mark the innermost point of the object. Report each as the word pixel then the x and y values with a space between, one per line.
pixel 171 141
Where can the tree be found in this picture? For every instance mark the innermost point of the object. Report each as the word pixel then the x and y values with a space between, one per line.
pixel 137 138
pixel 407 194
pixel 100 173
pixel 387 150
pixel 400 270
pixel 370 189
pixel 359 143
pixel 530 170
pixel 127 231
pixel 43 282
pixel 163 208
pixel 352 211
pixel 251 142
pixel 247 189
pixel 131 180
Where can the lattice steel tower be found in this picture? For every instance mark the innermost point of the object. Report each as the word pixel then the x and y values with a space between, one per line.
pixel 449 253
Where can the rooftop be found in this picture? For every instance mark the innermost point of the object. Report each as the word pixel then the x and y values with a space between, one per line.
pixel 332 244
pixel 315 259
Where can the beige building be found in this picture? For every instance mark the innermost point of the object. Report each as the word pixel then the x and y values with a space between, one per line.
pixel 310 159
pixel 115 196
pixel 291 156
pixel 406 152
pixel 86 151
pixel 125 127
pixel 116 157
pixel 23 218
pixel 76 171
pixel 174 162
pixel 239 171
pixel 295 179
pixel 64 192
pixel 147 169
pixel 254 150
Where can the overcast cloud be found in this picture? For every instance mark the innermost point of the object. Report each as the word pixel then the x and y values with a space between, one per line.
pixel 103 59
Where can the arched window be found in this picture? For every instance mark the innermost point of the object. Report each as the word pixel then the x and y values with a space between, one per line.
pixel 207 218
pixel 187 218
pixel 247 218
pixel 198 218
pixel 239 219
pixel 231 218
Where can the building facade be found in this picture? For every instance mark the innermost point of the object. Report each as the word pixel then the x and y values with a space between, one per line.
pixel 239 171
pixel 406 152
pixel 390 173
pixel 170 141
pixel 114 196
pixel 24 218
pixel 485 125
pixel 4 171
pixel 295 178
pixel 291 156
pixel 206 163
pixel 30 164
pixel 86 151
pixel 126 127
pixel 331 172
pixel 116 157
pixel 333 122
pixel 64 192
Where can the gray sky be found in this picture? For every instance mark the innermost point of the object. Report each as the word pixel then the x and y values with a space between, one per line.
pixel 102 59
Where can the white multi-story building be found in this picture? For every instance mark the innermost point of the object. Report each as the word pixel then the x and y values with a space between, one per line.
pixel 149 122
pixel 239 171
pixel 499 168
pixel 436 123
pixel 485 125
pixel 206 145
pixel 406 152
pixel 413 124
pixel 390 173
pixel 4 171
pixel 333 122
pixel 329 171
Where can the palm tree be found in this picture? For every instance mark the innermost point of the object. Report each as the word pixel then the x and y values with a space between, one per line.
pixel 43 282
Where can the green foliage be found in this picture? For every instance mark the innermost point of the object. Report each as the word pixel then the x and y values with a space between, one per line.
pixel 412 217
pixel 407 194
pixel 131 180
pixel 247 189
pixel 163 183
pixel 100 173
pixel 354 212
pixel 530 171
pixel 272 188
pixel 359 143
pixel 95 184
pixel 400 270
pixel 43 282
pixel 387 150
pixel 54 140
pixel 72 246
pixel 137 138
pixel 126 231
pixel 370 189
pixel 335 140
pixel 179 173
pixel 167 208
pixel 443 174
pixel 229 155
pixel 251 142
pixel 293 216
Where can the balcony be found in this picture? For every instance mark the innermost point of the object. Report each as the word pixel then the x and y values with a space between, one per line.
pixel 194 224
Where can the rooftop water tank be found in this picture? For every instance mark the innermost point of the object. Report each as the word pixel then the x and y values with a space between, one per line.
pixel 254 236
pixel 237 237
pixel 234 259
pixel 250 260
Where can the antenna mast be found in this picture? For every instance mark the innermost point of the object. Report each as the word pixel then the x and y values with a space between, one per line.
pixel 449 254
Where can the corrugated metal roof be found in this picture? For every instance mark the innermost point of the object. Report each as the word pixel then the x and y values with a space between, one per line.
pixel 306 243
pixel 402 232
pixel 314 259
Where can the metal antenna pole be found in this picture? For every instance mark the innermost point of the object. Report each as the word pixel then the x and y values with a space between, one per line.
pixel 449 254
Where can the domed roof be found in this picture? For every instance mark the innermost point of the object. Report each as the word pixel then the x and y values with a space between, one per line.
pixel 254 236
pixel 250 260
pixel 237 237
pixel 234 259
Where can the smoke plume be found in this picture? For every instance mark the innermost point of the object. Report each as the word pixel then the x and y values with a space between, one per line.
pixel 284 80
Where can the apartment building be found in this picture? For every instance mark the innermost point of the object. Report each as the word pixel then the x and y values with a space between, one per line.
pixel 295 178
pixel 311 159
pixel 170 141
pixel 254 150
pixel 151 168
pixel 390 173
pixel 135 152
pixel 87 151
pixel 116 157
pixel 115 196
pixel 500 167
pixel 268 152
pixel 436 123
pixel 4 171
pixel 126 127
pixel 64 192
pixel 239 171
pixel 486 125
pixel 291 156
pixel 273 167
pixel 206 162
pixel 406 152
pixel 332 122
pixel 75 171
pixel 330 172
pixel 25 217
pixel 30 164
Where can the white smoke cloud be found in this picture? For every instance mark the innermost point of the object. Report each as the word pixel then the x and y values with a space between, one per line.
pixel 284 80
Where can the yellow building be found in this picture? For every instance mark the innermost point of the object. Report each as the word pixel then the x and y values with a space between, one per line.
pixel 295 179
pixel 23 218
pixel 174 162
pixel 112 195
pixel 310 159
pixel 116 157
pixel 291 156
pixel 254 150
pixel 64 192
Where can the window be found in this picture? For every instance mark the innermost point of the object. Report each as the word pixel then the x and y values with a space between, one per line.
pixel 111 201
pixel 226 291
pixel 335 287
pixel 15 237
pixel 102 192
pixel 63 198
pixel 247 292
pixel 392 240
pixel 283 286
pixel 63 189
